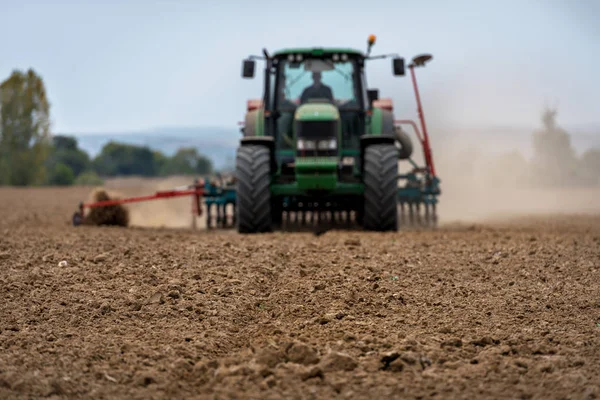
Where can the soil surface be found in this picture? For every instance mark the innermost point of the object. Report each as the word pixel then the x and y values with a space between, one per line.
pixel 482 310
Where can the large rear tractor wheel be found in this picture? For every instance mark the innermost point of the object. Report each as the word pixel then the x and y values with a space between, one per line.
pixel 253 174
pixel 381 188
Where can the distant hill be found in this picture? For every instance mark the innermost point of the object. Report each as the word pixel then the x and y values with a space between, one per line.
pixel 220 143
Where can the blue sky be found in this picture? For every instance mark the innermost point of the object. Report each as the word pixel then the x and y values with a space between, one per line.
pixel 132 65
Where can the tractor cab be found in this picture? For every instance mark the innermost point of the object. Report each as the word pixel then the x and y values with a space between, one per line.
pixel 315 105
pixel 316 91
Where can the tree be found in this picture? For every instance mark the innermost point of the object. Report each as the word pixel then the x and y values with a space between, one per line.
pixel 61 175
pixel 160 160
pixel 64 142
pixel 65 151
pixel 88 178
pixel 187 161
pixel 24 129
pixel 124 159
pixel 204 165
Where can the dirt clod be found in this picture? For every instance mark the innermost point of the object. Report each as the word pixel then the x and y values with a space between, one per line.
pixel 156 298
pixel 352 242
pixel 302 353
pixel 452 343
pixel 336 361
pixel 269 357
pixel 484 341
pixel 312 372
pixel 101 258
pixel 389 357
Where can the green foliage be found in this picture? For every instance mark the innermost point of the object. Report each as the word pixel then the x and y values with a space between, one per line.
pixel 65 151
pixel 160 160
pixel 24 129
pixel 204 166
pixel 61 175
pixel 123 159
pixel 182 163
pixel 88 178
pixel 186 161
pixel 64 142
pixel 118 159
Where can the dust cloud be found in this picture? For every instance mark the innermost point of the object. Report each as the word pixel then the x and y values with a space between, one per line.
pixel 173 212
pixel 487 188
pixel 481 182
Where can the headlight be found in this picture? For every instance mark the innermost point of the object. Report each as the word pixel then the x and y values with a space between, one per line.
pixel 306 144
pixel 330 144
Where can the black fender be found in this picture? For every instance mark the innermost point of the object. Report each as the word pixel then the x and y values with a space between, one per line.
pixel 387 123
pixel 388 127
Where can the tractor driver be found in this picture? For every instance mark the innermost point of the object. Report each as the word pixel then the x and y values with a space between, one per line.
pixel 317 90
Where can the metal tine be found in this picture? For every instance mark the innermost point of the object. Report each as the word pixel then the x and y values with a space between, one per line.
pixel 402 213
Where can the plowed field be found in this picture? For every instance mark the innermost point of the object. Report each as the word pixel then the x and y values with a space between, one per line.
pixel 507 309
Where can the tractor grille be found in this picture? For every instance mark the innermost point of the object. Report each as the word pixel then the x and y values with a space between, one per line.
pixel 316 129
pixel 316 138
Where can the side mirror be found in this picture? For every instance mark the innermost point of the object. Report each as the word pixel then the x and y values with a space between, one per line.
pixel 372 95
pixel 398 66
pixel 248 69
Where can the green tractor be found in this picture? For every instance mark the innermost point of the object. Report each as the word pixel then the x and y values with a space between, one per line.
pixel 319 147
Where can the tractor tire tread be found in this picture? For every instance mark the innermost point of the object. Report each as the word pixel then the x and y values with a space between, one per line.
pixel 381 188
pixel 253 175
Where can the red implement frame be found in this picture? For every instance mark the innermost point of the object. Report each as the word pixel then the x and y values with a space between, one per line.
pixel 425 138
pixel 196 191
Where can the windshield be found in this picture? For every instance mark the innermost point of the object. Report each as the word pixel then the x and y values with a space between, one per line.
pixel 301 82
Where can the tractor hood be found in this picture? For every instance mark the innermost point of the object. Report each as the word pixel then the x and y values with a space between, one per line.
pixel 317 131
pixel 317 112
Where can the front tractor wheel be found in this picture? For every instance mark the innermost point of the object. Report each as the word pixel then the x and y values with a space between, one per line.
pixel 381 188
pixel 253 174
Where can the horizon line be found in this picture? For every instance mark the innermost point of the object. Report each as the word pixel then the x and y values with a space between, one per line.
pixel 161 129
